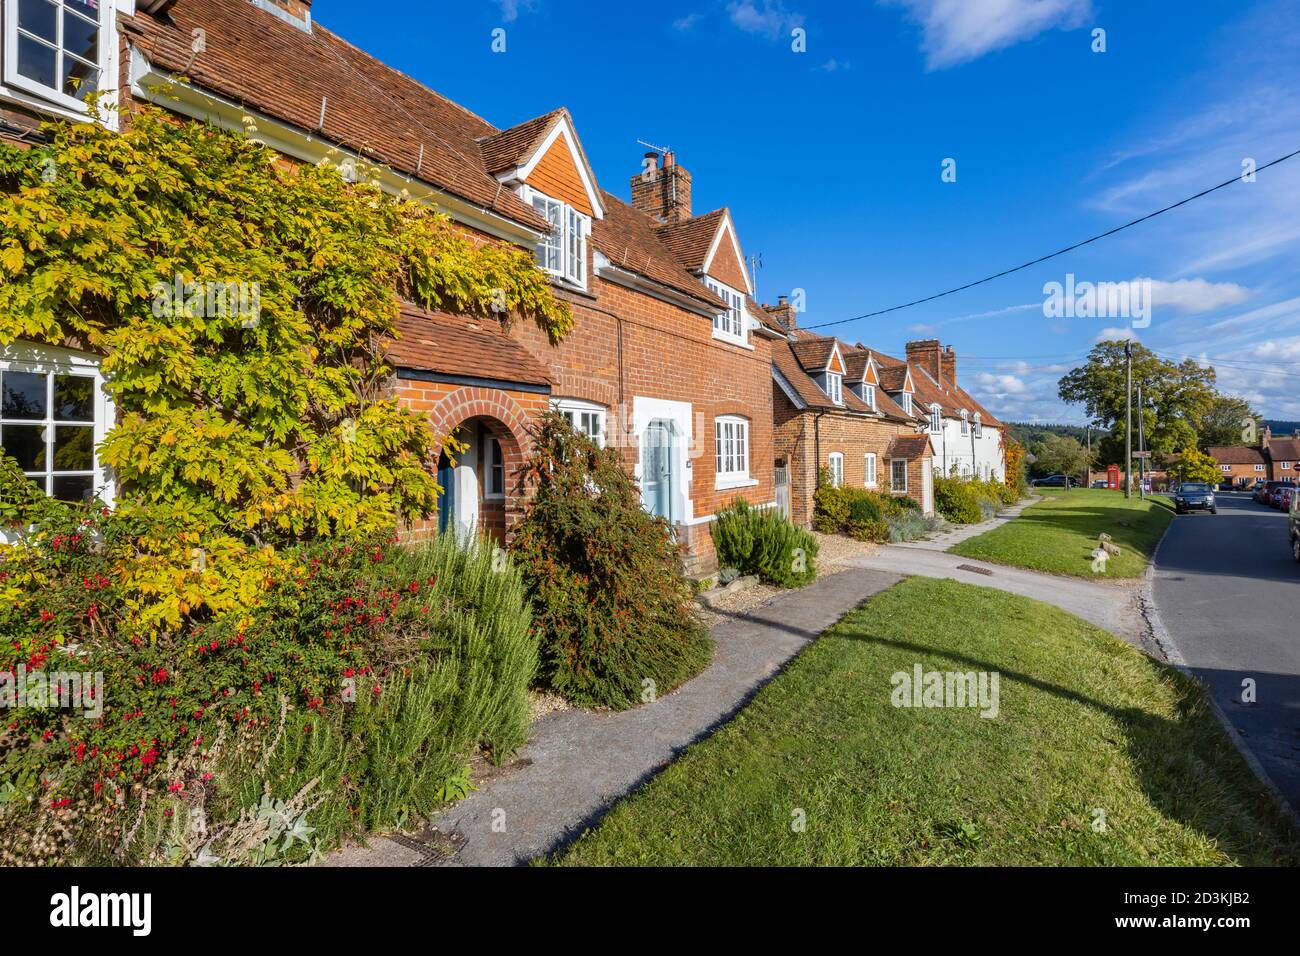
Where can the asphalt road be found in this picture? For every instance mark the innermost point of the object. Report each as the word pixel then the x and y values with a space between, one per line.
pixel 1228 593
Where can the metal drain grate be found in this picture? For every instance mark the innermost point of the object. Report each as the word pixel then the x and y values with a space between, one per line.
pixel 971 567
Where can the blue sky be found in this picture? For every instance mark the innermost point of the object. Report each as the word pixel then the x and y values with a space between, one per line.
pixel 831 158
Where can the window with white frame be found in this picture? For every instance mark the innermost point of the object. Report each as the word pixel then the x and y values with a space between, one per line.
pixel 835 465
pixel 936 419
pixel 869 470
pixel 1286 466
pixel 729 324
pixel 56 49
pixel 52 417
pixel 869 396
pixel 731 448
pixel 965 422
pixel 979 427
pixel 906 402
pixel 898 475
pixel 587 418
pixel 494 470
pixel 1259 467
pixel 563 251
pixel 835 387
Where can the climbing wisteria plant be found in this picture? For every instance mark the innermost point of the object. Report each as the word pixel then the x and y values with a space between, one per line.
pixel 241 304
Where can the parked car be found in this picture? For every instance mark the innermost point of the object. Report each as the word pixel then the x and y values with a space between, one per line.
pixel 1099 483
pixel 1284 497
pixel 1293 526
pixel 1055 481
pixel 1265 491
pixel 1274 498
pixel 1195 496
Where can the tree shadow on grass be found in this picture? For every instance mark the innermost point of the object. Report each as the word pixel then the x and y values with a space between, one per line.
pixel 1168 756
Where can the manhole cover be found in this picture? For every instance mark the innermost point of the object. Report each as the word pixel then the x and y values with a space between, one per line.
pixel 971 567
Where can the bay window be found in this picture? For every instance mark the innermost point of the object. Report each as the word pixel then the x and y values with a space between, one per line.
pixel 55 49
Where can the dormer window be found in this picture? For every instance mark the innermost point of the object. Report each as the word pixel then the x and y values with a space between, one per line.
pixel 905 399
pixel 728 325
pixel 563 252
pixel 936 419
pixel 869 396
pixel 835 387
pixel 965 423
pixel 55 49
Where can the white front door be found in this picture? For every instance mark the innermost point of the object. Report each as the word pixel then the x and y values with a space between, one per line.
pixel 927 486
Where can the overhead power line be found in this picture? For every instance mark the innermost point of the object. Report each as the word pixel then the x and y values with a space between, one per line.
pixel 1053 255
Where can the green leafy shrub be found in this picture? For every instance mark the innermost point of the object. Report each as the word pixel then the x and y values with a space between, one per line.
pixel 765 543
pixel 369 672
pixel 866 518
pixel 969 500
pixel 613 611
pixel 830 505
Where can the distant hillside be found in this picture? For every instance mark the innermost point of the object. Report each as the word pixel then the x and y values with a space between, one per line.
pixel 1027 432
pixel 1280 427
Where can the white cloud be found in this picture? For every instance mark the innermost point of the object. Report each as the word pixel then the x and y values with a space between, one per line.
pixel 767 18
pixel 1194 296
pixel 510 9
pixel 833 65
pixel 957 31
pixel 687 22
pixel 1000 385
pixel 1116 334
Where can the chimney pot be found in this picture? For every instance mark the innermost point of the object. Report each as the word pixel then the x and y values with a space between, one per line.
pixel 662 190
pixel 782 300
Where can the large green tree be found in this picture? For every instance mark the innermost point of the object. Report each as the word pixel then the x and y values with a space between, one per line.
pixel 1059 455
pixel 1175 398
pixel 1229 421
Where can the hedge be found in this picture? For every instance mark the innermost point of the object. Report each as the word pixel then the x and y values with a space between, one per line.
pixel 764 543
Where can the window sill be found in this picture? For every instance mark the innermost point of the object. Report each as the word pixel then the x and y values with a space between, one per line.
pixel 732 340
pixel 727 484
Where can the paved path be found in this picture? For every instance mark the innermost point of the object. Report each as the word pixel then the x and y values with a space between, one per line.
pixel 1112 605
pixel 960 532
pixel 1228 593
pixel 579 763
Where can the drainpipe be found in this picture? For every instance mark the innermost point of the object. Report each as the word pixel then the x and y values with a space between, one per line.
pixel 817 449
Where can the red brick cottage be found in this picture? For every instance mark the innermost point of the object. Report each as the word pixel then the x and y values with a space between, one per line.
pixel 670 359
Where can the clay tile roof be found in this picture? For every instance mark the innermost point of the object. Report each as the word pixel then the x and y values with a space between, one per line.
pixel 508 148
pixel 690 240
pixel 909 447
pixel 460 345
pixel 262 63
pixel 784 361
pixel 1284 449
pixel 628 239
pixel 813 353
pixel 893 377
pixel 768 321
pixel 1235 455
pixel 855 363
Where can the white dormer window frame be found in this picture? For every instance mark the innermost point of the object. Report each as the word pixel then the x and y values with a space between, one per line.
pixel 965 423
pixel 869 396
pixel 905 399
pixel 936 419
pixel 53 36
pixel 835 387
pixel 730 326
pixel 563 251
pixel 979 426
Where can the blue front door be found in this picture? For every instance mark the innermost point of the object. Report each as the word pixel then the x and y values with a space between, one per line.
pixel 447 501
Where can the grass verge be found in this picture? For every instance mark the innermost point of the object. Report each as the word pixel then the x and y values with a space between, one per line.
pixel 1098 755
pixel 1058 534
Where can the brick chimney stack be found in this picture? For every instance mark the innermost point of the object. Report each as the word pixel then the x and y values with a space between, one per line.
pixel 784 313
pixel 927 354
pixel 662 190
pixel 1265 437
pixel 295 12
pixel 949 361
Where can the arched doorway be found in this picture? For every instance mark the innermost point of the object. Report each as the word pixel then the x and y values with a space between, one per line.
pixel 480 493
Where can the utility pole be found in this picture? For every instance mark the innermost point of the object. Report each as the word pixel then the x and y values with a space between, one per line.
pixel 1128 413
pixel 1142 447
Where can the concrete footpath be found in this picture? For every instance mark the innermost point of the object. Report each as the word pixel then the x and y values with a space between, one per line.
pixel 580 762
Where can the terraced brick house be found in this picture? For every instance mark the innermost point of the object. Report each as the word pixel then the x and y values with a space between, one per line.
pixel 1239 464
pixel 842 415
pixel 669 361
pixel 1282 456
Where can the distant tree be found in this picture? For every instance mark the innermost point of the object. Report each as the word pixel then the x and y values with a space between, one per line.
pixel 1193 465
pixel 1229 421
pixel 1176 396
pixel 1057 454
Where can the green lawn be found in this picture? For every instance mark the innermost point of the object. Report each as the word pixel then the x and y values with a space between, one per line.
pixel 1088 731
pixel 1059 533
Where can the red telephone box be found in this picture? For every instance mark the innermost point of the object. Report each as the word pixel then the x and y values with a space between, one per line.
pixel 1112 477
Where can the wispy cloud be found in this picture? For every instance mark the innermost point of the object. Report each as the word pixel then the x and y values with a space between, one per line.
pixel 835 66
pixel 958 31
pixel 686 23
pixel 510 9
pixel 1116 334
pixel 768 18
